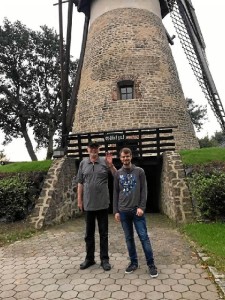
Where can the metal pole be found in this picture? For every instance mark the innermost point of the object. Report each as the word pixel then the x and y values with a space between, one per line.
pixel 63 98
pixel 67 57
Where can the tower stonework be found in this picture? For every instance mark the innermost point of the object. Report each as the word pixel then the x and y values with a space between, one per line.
pixel 127 42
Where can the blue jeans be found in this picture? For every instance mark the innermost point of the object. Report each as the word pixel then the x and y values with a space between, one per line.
pixel 102 219
pixel 128 219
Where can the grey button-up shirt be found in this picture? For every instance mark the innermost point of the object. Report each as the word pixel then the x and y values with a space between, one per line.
pixel 94 177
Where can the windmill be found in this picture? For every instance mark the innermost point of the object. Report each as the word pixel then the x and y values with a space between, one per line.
pixel 126 48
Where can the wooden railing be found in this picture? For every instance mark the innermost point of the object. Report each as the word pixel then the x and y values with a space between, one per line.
pixel 144 142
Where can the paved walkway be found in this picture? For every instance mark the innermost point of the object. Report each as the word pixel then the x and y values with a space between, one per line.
pixel 47 267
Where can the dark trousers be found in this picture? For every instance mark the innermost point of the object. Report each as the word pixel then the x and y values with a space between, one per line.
pixel 102 218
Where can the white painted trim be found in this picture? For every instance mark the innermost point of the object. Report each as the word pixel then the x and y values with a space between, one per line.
pixel 99 7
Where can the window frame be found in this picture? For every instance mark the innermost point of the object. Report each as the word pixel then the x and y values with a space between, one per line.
pixel 126 84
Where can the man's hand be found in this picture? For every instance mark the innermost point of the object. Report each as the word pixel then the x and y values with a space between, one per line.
pixel 109 162
pixel 140 212
pixel 80 205
pixel 80 196
pixel 117 217
pixel 109 159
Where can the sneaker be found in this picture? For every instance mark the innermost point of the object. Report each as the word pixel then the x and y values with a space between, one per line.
pixel 131 268
pixel 153 271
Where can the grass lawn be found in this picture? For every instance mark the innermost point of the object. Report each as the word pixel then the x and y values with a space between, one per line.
pixel 210 238
pixel 28 166
pixel 203 155
pixel 16 231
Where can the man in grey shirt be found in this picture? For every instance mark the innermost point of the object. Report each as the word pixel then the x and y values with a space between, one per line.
pixel 129 203
pixel 93 198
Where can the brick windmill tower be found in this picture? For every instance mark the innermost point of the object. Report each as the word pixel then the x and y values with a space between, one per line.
pixel 129 78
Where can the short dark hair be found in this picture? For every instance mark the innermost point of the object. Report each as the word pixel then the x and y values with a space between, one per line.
pixel 93 144
pixel 126 151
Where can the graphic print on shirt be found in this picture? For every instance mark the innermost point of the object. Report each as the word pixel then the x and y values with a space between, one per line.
pixel 128 182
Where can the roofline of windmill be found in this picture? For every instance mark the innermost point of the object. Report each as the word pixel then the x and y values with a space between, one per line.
pixel 84 6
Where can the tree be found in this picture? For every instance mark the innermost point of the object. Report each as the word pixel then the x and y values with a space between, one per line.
pixel 30 85
pixel 207 142
pixel 197 112
pixel 216 140
pixel 219 137
pixel 3 158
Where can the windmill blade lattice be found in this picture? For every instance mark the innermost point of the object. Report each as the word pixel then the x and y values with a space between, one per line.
pixel 186 25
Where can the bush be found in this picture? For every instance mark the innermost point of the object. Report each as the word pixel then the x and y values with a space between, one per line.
pixel 13 198
pixel 18 195
pixel 208 191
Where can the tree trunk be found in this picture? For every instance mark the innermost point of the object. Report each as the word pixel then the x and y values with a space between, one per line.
pixel 29 145
pixel 50 148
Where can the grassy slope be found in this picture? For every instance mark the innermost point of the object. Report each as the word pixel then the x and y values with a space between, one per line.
pixel 202 156
pixel 31 166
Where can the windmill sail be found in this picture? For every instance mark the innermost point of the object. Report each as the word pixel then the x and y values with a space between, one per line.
pixel 186 24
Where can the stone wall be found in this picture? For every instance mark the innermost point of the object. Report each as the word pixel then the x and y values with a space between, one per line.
pixel 57 201
pixel 175 197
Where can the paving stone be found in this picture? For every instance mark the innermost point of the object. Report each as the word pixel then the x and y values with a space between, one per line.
pixel 97 287
pixel 69 295
pixel 197 288
pixel 53 295
pixel 119 295
pixel 51 287
pixel 102 295
pixel 154 295
pixel 85 295
pixel 163 288
pixel 129 288
pixel 180 288
pixel 209 295
pixel 172 295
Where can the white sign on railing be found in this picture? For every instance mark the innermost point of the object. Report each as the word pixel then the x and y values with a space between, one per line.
pixel 114 137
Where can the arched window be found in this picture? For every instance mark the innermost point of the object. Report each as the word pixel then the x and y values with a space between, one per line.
pixel 126 89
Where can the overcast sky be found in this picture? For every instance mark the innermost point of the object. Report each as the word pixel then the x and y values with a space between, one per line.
pixel 210 14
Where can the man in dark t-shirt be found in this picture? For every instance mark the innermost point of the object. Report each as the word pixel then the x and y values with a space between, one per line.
pixel 129 203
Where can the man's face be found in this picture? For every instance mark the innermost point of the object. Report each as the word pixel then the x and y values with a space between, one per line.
pixel 125 158
pixel 93 150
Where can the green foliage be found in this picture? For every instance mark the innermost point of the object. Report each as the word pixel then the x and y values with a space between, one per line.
pixel 208 191
pixel 216 140
pixel 15 199
pixel 206 176
pixel 3 158
pixel 197 113
pixel 20 186
pixel 21 167
pixel 206 142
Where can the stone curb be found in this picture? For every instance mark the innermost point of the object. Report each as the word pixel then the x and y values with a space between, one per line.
pixel 219 278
